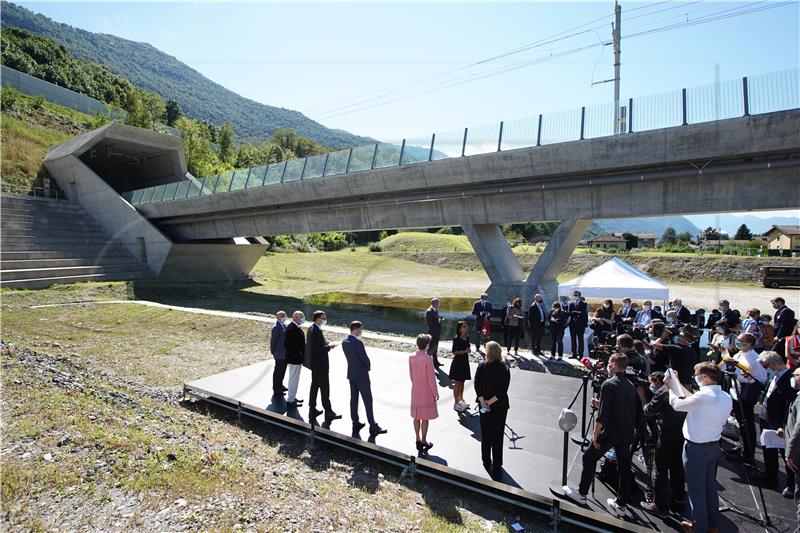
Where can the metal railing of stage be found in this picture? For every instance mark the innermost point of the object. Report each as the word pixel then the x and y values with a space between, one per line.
pixel 558 511
pixel 764 93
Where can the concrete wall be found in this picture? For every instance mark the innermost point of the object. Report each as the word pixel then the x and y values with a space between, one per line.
pixel 125 225
pixel 211 262
pixel 682 170
pixel 33 86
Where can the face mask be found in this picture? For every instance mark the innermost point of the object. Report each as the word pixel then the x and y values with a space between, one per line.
pixel 323 322
pixel 539 300
pixel 302 321
pixel 740 345
pixel 610 371
pixel 646 307
pixel 793 382
pixel 626 305
pixel 771 372
pixel 651 336
pixel 676 339
pixel 697 380
pixel 357 335
pixel 653 389
pixel 483 300
pixel 720 330
pixel 607 306
pixel 670 320
pixel 776 306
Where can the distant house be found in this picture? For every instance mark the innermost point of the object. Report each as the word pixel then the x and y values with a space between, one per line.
pixel 785 238
pixel 607 242
pixel 540 239
pixel 646 240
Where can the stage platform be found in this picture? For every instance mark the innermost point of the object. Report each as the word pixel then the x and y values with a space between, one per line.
pixel 534 444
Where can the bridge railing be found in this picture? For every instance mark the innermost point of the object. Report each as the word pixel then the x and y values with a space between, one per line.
pixel 764 93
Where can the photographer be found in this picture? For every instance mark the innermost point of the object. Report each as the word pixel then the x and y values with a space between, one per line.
pixel 674 350
pixel 615 428
pixel 668 447
pixel 751 377
pixel 706 413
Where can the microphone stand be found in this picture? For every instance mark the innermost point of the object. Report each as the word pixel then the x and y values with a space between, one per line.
pixel 766 522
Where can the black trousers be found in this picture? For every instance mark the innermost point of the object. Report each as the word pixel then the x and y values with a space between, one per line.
pixel 669 473
pixel 513 334
pixel 576 338
pixel 278 374
pixel 364 388
pixel 746 425
pixel 493 425
pixel 590 458
pixel 771 460
pixel 536 340
pixel 557 340
pixel 320 383
pixel 433 348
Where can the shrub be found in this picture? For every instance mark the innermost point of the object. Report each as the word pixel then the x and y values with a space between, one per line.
pixel 8 98
pixel 375 247
pixel 38 102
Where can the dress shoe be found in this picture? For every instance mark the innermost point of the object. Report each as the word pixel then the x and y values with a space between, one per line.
pixel 314 413
pixel 787 493
pixel 294 404
pixel 279 392
pixel 376 430
pixel 653 509
pixel 330 417
pixel 358 426
pixel 284 389
pixel 497 471
pixel 687 526
pixel 427 446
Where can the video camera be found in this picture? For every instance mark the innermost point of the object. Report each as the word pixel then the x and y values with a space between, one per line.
pixel 597 373
pixel 635 332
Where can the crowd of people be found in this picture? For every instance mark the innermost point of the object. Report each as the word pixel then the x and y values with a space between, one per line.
pixel 658 385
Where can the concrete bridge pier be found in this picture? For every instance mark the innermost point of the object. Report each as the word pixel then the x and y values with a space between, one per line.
pixel 507 278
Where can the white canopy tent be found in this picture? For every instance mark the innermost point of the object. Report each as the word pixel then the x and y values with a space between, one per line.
pixel 616 279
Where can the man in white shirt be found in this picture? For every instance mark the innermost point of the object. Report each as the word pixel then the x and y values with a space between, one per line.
pixel 706 413
pixel 751 385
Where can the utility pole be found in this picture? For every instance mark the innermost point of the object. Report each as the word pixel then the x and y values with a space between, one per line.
pixel 615 37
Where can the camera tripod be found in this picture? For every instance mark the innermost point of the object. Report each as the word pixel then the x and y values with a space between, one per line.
pixel 766 522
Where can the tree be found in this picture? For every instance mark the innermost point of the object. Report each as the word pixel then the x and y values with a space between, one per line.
pixel 144 108
pixel 710 234
pixel 225 141
pixel 669 236
pixel 200 158
pixel 684 237
pixel 173 112
pixel 743 233
pixel 631 240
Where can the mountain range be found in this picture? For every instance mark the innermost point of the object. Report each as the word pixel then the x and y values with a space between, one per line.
pixel 199 97
pixel 730 223
pixel 655 225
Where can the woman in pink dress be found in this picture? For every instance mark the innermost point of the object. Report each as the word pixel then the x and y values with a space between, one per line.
pixel 424 393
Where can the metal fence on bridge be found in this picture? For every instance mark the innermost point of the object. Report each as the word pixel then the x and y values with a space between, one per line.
pixel 764 93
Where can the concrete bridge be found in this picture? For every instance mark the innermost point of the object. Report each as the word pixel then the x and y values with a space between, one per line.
pixel 739 164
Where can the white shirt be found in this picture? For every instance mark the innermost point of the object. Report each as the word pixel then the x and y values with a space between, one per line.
pixel 750 359
pixel 706 413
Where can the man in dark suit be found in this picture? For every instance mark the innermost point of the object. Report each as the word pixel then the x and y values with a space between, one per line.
pixel 294 344
pixel 784 324
pixel 434 322
pixel 730 316
pixel 358 367
pixel 778 397
pixel 278 350
pixel 481 310
pixel 684 315
pixel 578 320
pixel 536 322
pixel 317 349
pixel 626 315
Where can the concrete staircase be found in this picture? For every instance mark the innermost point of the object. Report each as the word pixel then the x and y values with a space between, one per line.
pixel 44 241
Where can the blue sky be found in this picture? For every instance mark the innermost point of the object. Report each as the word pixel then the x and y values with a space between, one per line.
pixel 305 56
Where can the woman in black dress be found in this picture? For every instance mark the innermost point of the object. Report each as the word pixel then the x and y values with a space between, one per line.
pixel 459 368
pixel 558 323
pixel 491 385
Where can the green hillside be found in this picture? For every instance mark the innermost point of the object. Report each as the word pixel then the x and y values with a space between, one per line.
pixel 200 98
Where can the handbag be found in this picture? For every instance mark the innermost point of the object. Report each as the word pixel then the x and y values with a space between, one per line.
pixel 486 327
